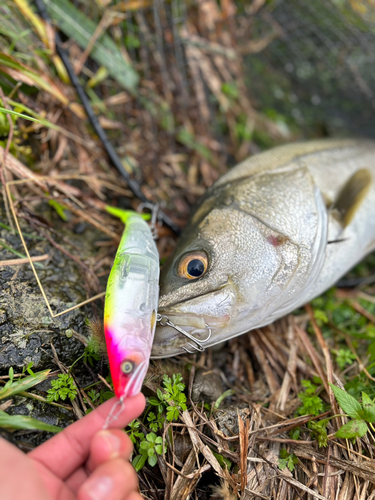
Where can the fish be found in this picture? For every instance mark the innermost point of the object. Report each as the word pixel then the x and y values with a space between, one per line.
pixel 271 234
pixel 131 303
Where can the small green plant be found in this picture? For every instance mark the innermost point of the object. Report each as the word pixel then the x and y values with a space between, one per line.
pixel 363 415
pixel 295 433
pixel 28 369
pixel 150 448
pixel 63 387
pixel 132 42
pixel 92 351
pixel 134 433
pixel 344 357
pixel 223 461
pixel 172 399
pixel 287 460
pixel 319 432
pixel 230 89
pixel 59 208
pixel 8 385
pixel 312 404
pixel 242 129
pixel 155 422
pixel 173 396
pixel 167 404
pixel 94 396
pixel 90 354
pixel 97 397
pixel 320 316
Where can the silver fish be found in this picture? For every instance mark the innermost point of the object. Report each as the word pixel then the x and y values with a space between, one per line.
pixel 273 233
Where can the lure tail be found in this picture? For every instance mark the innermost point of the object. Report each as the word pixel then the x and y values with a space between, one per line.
pixel 124 215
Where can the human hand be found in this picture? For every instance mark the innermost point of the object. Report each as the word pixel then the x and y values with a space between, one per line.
pixel 83 462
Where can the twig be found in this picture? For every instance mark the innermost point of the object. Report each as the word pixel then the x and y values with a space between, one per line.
pixel 105 382
pixel 327 358
pixel 16 262
pixel 197 442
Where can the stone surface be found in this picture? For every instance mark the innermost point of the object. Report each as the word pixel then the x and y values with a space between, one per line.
pixel 26 326
pixel 227 418
pixel 207 385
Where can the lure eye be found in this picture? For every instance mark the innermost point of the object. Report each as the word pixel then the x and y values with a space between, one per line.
pixel 193 266
pixel 127 367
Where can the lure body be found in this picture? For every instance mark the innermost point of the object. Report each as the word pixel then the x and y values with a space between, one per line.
pixel 131 306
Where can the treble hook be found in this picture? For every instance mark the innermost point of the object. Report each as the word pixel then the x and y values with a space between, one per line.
pixel 197 346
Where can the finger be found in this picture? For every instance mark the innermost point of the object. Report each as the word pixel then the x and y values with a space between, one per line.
pixel 113 480
pixel 19 478
pixel 76 480
pixel 69 449
pixel 134 496
pixel 106 445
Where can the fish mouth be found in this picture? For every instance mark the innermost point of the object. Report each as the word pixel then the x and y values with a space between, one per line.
pixel 170 306
pixel 170 342
pixel 208 312
pixel 214 308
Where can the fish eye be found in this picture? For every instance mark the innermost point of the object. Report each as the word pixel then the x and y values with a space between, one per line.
pixel 127 367
pixel 193 266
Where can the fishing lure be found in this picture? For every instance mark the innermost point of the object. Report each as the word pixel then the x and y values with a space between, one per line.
pixel 131 303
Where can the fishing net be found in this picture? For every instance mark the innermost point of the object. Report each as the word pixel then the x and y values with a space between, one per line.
pixel 249 74
pixel 320 66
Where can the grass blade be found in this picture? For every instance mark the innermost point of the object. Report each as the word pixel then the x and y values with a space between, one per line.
pixel 23 384
pixel 22 422
pixel 23 73
pixel 105 52
pixel 10 112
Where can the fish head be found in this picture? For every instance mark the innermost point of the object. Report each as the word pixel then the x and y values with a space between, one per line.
pixel 225 273
pixel 128 362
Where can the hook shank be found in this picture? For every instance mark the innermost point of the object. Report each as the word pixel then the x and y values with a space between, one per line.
pixel 197 344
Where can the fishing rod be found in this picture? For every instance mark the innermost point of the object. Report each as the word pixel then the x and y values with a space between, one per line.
pixel 113 156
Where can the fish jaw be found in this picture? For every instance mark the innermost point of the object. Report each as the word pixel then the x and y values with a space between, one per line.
pixel 126 350
pixel 196 316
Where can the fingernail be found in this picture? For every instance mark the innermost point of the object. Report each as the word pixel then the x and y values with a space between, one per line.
pixel 113 443
pixel 99 488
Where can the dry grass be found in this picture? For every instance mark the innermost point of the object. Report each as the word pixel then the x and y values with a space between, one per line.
pixel 267 367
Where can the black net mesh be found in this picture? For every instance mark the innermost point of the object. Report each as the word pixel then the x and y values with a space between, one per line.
pixel 321 67
pixel 310 62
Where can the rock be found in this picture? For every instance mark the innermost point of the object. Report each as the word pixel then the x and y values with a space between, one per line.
pixel 46 413
pixel 227 418
pixel 80 227
pixel 182 446
pixel 26 327
pixel 207 385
